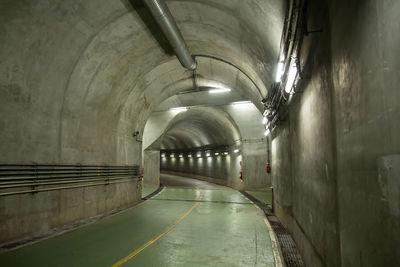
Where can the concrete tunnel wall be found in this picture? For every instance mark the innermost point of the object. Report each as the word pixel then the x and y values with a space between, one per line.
pixel 78 78
pixel 336 156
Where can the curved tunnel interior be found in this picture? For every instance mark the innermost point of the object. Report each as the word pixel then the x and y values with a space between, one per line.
pixel 300 96
pixel 197 132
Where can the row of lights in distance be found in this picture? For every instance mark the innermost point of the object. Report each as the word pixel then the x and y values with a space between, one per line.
pixel 199 154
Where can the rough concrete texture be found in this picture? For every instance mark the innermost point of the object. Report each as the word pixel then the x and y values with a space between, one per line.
pixel 330 166
pixel 151 168
pixel 32 215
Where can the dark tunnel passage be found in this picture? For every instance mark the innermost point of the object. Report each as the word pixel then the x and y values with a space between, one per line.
pixel 199 133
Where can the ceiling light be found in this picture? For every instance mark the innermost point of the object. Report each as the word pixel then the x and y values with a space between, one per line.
pixel 226 153
pixel 189 156
pixel 216 153
pixel 172 155
pixel 241 103
pixel 279 72
pixel 291 78
pixel 236 150
pixel 198 155
pixel 219 90
pixel 208 154
pixel 181 156
pixel 179 109
pixel 163 155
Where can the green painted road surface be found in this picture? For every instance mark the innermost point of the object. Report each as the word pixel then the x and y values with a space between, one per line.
pixel 177 181
pixel 223 229
pixel 263 196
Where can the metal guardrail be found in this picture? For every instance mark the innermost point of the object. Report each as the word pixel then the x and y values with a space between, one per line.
pixel 34 178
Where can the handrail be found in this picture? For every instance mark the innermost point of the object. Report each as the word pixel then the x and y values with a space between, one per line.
pixel 38 177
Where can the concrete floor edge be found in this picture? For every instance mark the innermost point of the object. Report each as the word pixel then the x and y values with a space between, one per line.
pixel 292 256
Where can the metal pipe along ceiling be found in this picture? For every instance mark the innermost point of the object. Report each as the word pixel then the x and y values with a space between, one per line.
pixel 168 25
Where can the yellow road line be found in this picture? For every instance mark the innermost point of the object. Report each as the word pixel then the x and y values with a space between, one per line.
pixel 134 253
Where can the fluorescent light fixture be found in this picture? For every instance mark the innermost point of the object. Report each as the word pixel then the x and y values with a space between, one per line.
pixel 279 72
pixel 163 155
pixel 267 131
pixel 190 155
pixel 236 150
pixel 291 78
pixel 216 153
pixel 181 156
pixel 265 120
pixel 219 90
pixel 226 153
pixel 172 155
pixel 179 109
pixel 208 154
pixel 241 103
pixel 198 155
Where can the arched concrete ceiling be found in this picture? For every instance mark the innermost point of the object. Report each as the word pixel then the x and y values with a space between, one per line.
pixel 243 115
pixel 194 128
pixel 199 131
pixel 91 72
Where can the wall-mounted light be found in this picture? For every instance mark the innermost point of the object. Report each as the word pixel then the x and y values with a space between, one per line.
pixel 172 155
pixel 279 72
pixel 208 154
pixel 291 78
pixel 181 156
pixel 236 150
pixel 163 155
pixel 265 120
pixel 216 153
pixel 199 155
pixel 226 153
pixel 190 155
pixel 219 90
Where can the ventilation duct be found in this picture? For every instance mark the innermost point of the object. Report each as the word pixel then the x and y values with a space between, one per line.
pixel 163 16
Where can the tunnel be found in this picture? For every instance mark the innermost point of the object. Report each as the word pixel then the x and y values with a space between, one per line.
pixel 200 133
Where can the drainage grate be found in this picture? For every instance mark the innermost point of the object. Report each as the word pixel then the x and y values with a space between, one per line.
pixel 290 254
